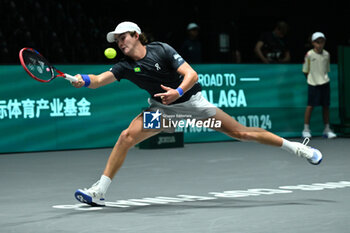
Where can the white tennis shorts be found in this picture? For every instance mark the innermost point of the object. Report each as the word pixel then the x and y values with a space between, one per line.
pixel 197 107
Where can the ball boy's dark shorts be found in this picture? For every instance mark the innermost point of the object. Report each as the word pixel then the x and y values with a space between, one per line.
pixel 319 95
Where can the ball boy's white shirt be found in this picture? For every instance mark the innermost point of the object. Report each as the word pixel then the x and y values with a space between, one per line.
pixel 317 66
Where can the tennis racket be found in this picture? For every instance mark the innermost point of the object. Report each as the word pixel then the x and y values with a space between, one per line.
pixel 39 68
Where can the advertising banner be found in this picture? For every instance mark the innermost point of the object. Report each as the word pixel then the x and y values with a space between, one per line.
pixel 56 116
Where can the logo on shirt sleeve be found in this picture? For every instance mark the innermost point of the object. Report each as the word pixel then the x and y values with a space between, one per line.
pixel 177 57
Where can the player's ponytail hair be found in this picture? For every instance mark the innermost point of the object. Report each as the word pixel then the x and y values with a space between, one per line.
pixel 142 37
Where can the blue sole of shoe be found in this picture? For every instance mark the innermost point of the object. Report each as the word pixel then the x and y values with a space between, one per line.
pixel 316 163
pixel 82 197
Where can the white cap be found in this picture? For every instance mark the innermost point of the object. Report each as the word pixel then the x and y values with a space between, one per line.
pixel 192 26
pixel 317 35
pixel 121 28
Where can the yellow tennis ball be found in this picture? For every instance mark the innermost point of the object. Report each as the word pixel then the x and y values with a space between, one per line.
pixel 110 53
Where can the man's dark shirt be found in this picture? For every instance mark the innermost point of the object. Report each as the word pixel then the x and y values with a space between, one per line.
pixel 159 66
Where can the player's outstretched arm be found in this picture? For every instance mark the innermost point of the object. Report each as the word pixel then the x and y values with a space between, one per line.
pixel 94 81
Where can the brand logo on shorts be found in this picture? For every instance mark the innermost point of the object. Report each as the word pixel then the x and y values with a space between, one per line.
pixel 151 120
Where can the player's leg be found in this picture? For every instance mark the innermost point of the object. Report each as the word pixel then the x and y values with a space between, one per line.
pixel 127 139
pixel 234 129
pixel 238 131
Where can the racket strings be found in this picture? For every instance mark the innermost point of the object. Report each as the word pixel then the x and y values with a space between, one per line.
pixel 37 65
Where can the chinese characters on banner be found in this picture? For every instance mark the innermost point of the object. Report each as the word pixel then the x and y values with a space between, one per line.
pixel 28 108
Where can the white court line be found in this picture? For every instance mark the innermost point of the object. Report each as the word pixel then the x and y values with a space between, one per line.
pixel 252 79
pixel 147 201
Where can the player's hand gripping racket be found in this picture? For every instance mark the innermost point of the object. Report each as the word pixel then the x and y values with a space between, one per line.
pixel 39 68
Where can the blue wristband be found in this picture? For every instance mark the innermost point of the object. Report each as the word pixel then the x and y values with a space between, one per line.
pixel 181 92
pixel 86 79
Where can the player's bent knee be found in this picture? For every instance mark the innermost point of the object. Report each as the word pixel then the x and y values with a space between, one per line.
pixel 126 139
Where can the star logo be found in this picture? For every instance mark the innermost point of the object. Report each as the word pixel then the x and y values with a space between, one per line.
pixel 156 115
pixel 151 120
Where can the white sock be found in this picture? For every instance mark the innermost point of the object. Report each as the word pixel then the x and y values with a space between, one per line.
pixel 306 127
pixel 327 128
pixel 289 146
pixel 105 181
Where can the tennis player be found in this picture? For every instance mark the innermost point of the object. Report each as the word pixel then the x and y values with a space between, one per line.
pixel 172 84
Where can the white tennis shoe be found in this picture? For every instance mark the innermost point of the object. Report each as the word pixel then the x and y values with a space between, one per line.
pixel 92 196
pixel 306 134
pixel 312 155
pixel 329 134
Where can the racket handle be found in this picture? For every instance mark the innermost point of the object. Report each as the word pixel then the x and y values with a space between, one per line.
pixel 70 78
